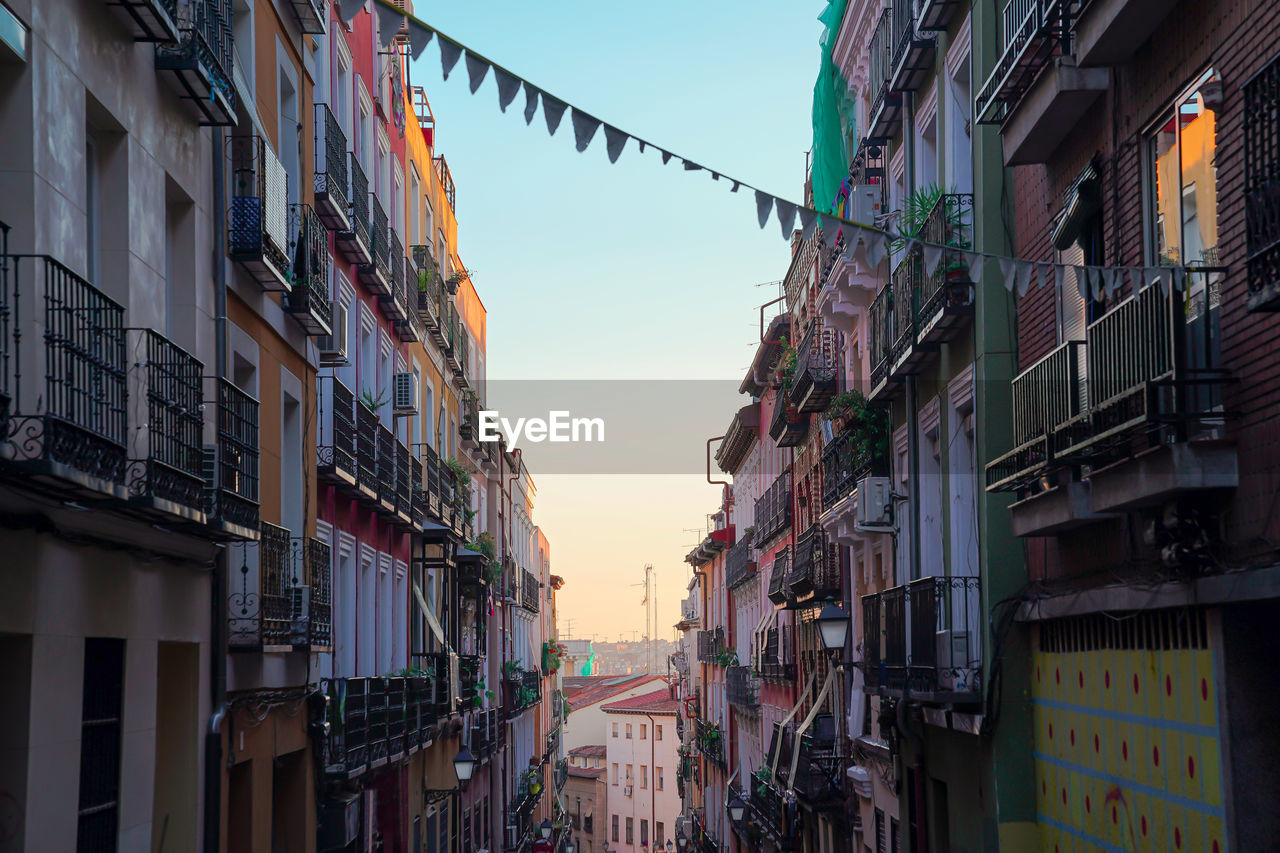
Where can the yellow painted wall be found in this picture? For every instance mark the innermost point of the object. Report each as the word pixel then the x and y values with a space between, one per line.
pixel 1126 735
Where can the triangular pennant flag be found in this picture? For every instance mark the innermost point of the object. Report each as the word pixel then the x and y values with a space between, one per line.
pixel 1165 275
pixel 764 205
pixel 1008 266
pixel 1110 281
pixel 1023 278
pixel 736 184
pixel 975 261
pixel 389 20
pixel 932 257
pixel 875 246
pixel 1095 283
pixel 1180 279
pixel 1082 283
pixel 584 128
pixel 614 141
pixel 690 166
pixel 449 54
pixel 508 85
pixel 808 222
pixel 1059 278
pixel 786 217
pixel 419 38
pixel 347 9
pixel 715 176
pixel 666 157
pixel 831 233
pixel 530 103
pixel 1042 275
pixel 477 68
pixel 553 111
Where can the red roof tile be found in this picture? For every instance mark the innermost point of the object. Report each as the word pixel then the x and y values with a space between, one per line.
pixel 606 687
pixel 657 702
pixel 590 751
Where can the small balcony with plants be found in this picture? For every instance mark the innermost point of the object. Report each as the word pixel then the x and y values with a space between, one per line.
pixel 471 687
pixel 376 273
pixel 712 646
pixel 308 296
pixel 330 178
pixel 860 448
pixel 773 510
pixel 258 232
pixel 427 289
pixel 198 64
pixel 336 433
pixel 946 286
pixel 454 341
pixel 486 733
pixel 521 689
pixel 63 394
pixel 787 426
pixel 779 591
pixel 709 739
pixel 354 241
pixel 149 20
pixel 1037 92
pixel 814 576
pixel 771 811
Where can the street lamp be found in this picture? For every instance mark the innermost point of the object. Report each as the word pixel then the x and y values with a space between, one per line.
pixel 682 842
pixel 833 623
pixel 568 846
pixel 545 829
pixel 464 765
pixel 737 809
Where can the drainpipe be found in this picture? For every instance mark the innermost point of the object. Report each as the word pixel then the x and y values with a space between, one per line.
pixel 218 594
pixel 913 415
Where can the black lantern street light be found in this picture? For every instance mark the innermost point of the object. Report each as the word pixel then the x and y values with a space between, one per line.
pixel 737 809
pixel 464 765
pixel 545 829
pixel 833 623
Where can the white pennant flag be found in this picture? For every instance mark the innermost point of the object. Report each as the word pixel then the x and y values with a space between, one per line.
pixel 530 103
pixel 1024 277
pixel 389 21
pixel 584 128
pixel 1180 279
pixel 419 38
pixel 1008 267
pixel 764 205
pixel 477 68
pixel 449 54
pixel 808 222
pixel 974 261
pixel 1096 283
pixel 553 111
pixel 932 257
pixel 347 9
pixel 1059 278
pixel 508 85
pixel 1082 284
pixel 874 245
pixel 831 233
pixel 614 141
pixel 1110 281
pixel 786 217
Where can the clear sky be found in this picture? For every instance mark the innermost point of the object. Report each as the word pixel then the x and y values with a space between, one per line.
pixel 635 270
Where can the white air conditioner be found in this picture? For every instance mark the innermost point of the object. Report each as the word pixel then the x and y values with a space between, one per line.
pixel 875 505
pixel 627 790
pixel 404 394
pixel 333 347
pixel 864 204
pixel 953 659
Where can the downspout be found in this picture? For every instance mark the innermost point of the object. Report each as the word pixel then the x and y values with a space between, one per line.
pixel 653 779
pixel 218 593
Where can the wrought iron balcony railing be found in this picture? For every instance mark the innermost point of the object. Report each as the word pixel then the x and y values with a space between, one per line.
pixel 149 20
pixel 231 462
pixel 486 733
pixel 311 594
pixel 815 571
pixel 166 474
pixel 740 563
pixel 946 291
pixel 945 657
pixel 418 500
pixel 711 645
pixel 260 601
pixel 258 230
pixel 446 180
pixel 336 439
pixel 741 687
pixel 427 287
pixel 817 361
pixel 312 16
pixel 426 485
pixel 885 113
pixel 62 393
pixel 872 637
pixel 386 469
pixel 1034 32
pixel 354 241
pixel 529 587
pixel 404 483
pixel 345 750
pixel 913 51
pixel 776 663
pixel 395 303
pixel 1262 188
pixel 376 273
pixel 787 426
pixel 522 689
pixel 819 766
pixel 367 428
pixel 851 456
pixel 308 298
pixel 904 355
pixel 879 338
pixel 330 179
pixel 773 510
pixel 779 591
pixel 470 674
pixel 375 720
pixel 771 811
pixel 198 66
pixel 710 741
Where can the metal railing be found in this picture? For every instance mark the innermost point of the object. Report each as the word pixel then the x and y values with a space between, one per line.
pixel 366 450
pixel 817 361
pixel 169 461
pixel 377 272
pixel 1262 179
pixel 404 482
pixel 711 645
pixel 880 63
pixel 850 457
pixel 470 673
pixel 258 227
pixel 529 587
pixel 787 426
pixel 308 298
pixel 948 286
pixel 710 741
pixel 815 571
pixel 880 336
pixel 446 180
pixel 740 563
pixel 426 287
pixel 945 658
pixel 336 438
pixel 386 442
pixel 231 469
pixel 773 509
pixel 202 60
pixel 354 241
pixel 893 656
pixel 741 687
pixel 872 637
pixel 311 593
pixel 779 591
pixel 330 178
pixel 775 659
pixel 75 419
pixel 905 306
pixel 260 604
pixel 1034 31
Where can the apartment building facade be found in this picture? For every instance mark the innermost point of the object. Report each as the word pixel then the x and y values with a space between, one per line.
pixel 641 754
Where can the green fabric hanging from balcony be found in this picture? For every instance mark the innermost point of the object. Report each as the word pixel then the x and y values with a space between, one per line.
pixel 833 115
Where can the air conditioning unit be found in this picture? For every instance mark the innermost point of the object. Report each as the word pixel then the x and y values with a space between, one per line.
pixel 627 790
pixel 300 627
pixel 953 659
pixel 875 505
pixel 404 394
pixel 333 347
pixel 864 204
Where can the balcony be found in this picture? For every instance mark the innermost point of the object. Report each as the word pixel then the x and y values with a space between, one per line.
pixel 312 16
pixel 521 690
pixel 308 299
pixel 936 14
pixel 375 720
pixel 779 591
pixel 404 483
pixel 787 427
pixel 712 646
pixel 529 587
pixel 860 450
pixel 428 289
pixel 354 242
pixel 884 116
pixel 819 767
pixel 739 438
pixel 260 603
pixel 470 676
pixel 376 273
pixel 1036 92
pixel 710 742
pixel 740 564
pixel 386 449
pixel 148 20
pixel 815 572
pixel 311 594
pixel 427 486
pixel 690 610
pixel 367 428
pixel 63 418
pixel 741 688
pixel 817 362
pixel 418 500
pixel 1151 388
pixel 462 357
pixel 1262 189
pixel 771 811
pixel 446 180
pixel 913 51
pixel 198 65
pixel 166 476
pixel 336 439
pixel 396 303
pixel 330 180
pixel 879 337
pixel 486 734
pixel 455 341
pixel 775 658
pixel 231 463
pixel 773 510
pixel 345 750
pixel 946 291
pixel 1109 32
pixel 258 230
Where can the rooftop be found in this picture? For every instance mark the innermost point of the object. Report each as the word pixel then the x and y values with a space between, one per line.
pixel 583 690
pixel 595 750
pixel 657 702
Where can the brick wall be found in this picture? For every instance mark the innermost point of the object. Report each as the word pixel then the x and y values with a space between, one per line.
pixel 1236 37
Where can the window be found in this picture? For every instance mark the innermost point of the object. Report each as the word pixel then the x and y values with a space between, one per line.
pixel 466 830
pixel 629 776
pixel 99 807
pixel 1262 178
pixel 644 776
pixel 657 732
pixel 644 832
pixel 659 835
pixel 615 829
pixel 615 729
pixel 615 773
pixel 628 731
pixel 657 780
pixel 587 823
pixel 644 732
pixel 415 235
pixel 631 835
pixel 1182 177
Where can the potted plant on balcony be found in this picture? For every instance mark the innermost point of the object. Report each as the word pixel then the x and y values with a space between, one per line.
pixel 914 216
pixel 511 669
pixel 787 365
pixel 867 427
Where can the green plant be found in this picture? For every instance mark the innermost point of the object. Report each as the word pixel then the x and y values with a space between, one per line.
pixel 461 479
pixel 727 657
pixel 373 403
pixel 484 545
pixel 787 365
pixel 511 668
pixel 867 427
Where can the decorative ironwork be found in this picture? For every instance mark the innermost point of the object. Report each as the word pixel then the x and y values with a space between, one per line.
pixel 815 572
pixel 775 662
pixel 376 273
pixel 946 291
pixel 773 510
pixel 817 361
pixel 740 564
pixel 1034 32
pixel 404 482
pixel 260 605
pixel 311 593
pixel 711 645
pixel 231 465
pixel 258 226
pixel 1262 185
pixel 395 302
pixel 913 52
pixel 779 591
pixel 76 428
pixel 741 687
pixel 885 113
pixel 308 299
pixel 945 659
pixel 904 307
pixel 199 64
pixel 787 427
pixel 446 180
pixel 529 587
pixel 709 739
pixel 330 179
pixel 354 241
pixel 336 441
pixel 386 469
pixel 344 751
pixel 470 674
pixel 367 430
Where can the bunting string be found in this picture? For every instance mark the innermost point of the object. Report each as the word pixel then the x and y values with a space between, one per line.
pixel 869 242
